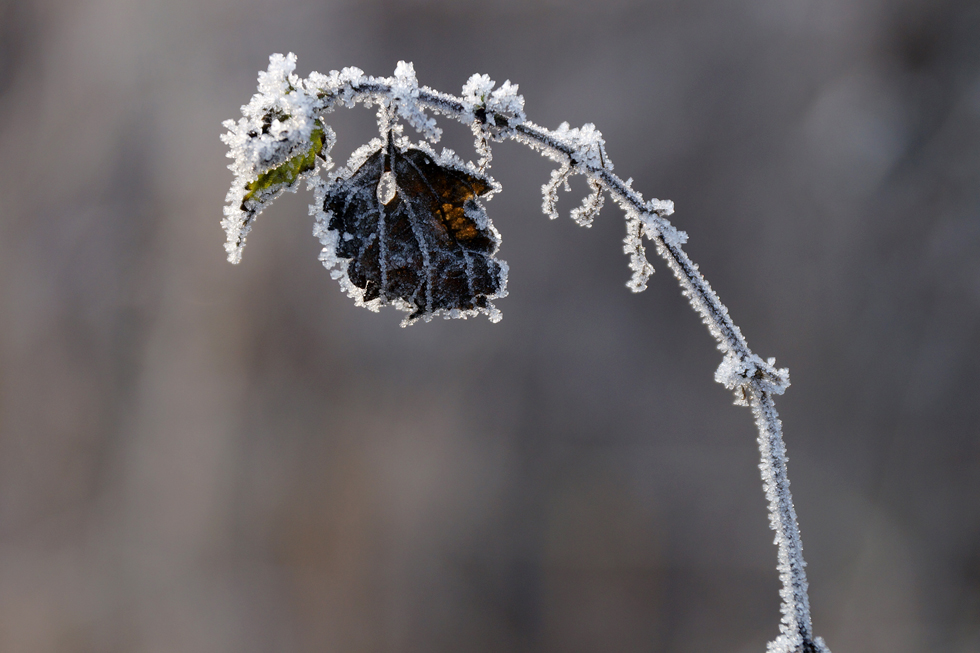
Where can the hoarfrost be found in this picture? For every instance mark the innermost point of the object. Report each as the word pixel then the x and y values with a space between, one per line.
pixel 404 95
pixel 660 207
pixel 591 205
pixel 588 149
pixel 794 643
pixel 482 105
pixel 735 372
pixel 559 177
pixel 494 113
pixel 336 87
pixel 506 101
pixel 477 89
pixel 277 142
pixel 633 246
pixel 482 146
pixel 582 150
pixel 795 626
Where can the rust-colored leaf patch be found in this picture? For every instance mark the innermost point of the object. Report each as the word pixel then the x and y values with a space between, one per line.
pixel 415 233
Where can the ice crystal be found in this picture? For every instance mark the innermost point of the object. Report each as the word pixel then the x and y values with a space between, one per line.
pixel 559 177
pixel 477 89
pixel 591 205
pixel 633 246
pixel 735 372
pixel 404 95
pixel 586 143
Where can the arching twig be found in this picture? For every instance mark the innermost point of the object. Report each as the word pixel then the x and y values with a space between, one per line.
pixel 283 138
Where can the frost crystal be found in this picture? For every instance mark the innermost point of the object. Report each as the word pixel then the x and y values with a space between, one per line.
pixel 633 245
pixel 405 93
pixel 736 372
pixel 588 149
pixel 559 177
pixel 477 89
pixel 508 102
pixel 591 205
pixel 495 112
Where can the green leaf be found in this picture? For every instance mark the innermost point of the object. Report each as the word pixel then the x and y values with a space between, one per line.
pixel 288 172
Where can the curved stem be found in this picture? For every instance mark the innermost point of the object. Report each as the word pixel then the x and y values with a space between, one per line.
pixel 754 381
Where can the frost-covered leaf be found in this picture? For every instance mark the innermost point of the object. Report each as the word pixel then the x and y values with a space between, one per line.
pixel 406 228
pixel 288 172
pixel 274 145
pixel 254 193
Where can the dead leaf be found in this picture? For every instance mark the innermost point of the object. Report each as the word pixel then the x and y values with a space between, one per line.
pixel 415 231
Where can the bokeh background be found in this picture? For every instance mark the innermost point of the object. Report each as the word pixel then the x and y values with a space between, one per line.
pixel 198 457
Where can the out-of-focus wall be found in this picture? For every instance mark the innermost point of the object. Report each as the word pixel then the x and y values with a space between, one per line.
pixel 197 457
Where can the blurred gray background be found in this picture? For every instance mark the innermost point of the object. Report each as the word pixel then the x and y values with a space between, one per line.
pixel 197 457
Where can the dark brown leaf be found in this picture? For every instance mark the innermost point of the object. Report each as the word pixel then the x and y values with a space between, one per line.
pixel 429 245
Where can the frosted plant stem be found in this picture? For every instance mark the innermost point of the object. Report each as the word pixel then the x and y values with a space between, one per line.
pixel 797 634
pixel 497 115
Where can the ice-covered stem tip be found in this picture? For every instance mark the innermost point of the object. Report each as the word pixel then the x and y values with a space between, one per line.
pixel 283 138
